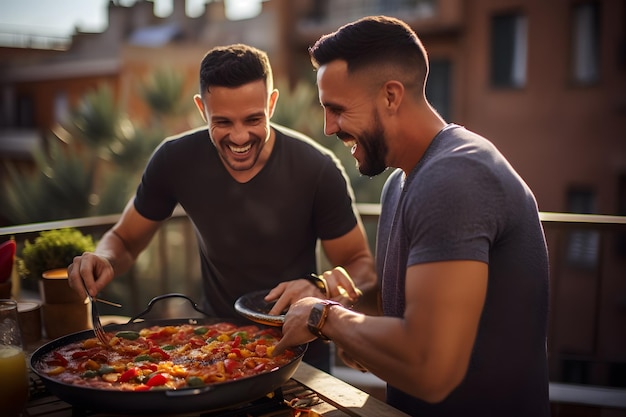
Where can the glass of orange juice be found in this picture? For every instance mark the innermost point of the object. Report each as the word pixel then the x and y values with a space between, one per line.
pixel 13 373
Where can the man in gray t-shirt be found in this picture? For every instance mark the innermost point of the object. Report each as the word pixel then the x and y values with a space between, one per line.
pixel 461 254
pixel 463 201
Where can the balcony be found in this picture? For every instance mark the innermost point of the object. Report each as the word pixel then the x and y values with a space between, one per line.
pixel 586 340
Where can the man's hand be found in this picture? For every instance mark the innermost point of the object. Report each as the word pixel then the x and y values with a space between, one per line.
pixel 339 285
pixel 287 293
pixel 295 330
pixel 94 270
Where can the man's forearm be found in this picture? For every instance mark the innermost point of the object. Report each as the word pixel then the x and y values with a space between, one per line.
pixel 113 248
pixel 362 272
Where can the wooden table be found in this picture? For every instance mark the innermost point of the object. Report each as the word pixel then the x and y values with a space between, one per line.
pixel 340 398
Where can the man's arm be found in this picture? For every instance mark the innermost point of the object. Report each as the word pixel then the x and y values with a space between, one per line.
pixel 351 252
pixel 115 253
pixel 426 353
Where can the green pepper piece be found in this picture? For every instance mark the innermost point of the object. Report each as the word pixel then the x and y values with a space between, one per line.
pixel 89 374
pixel 128 334
pixel 168 347
pixel 195 381
pixel 105 369
pixel 200 330
pixel 144 358
pixel 242 335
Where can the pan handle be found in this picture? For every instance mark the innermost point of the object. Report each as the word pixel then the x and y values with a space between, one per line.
pixel 162 297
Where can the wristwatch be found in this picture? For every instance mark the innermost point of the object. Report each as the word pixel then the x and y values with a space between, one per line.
pixel 318 315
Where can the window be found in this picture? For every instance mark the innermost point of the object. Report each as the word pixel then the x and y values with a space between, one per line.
pixel 508 50
pixel 583 246
pixel 585 43
pixel 7 106
pixel 25 115
pixel 61 107
pixel 438 86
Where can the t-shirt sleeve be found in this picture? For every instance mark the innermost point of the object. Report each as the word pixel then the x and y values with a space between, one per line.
pixel 456 216
pixel 334 211
pixel 154 198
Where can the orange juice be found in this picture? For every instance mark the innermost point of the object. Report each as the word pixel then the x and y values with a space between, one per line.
pixel 13 380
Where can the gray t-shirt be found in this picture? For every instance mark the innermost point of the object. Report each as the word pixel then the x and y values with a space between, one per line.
pixel 255 235
pixel 464 201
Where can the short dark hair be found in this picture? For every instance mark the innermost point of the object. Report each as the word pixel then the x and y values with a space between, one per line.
pixel 373 41
pixel 234 66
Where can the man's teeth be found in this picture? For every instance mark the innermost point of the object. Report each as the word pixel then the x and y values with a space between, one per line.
pixel 240 149
pixel 349 143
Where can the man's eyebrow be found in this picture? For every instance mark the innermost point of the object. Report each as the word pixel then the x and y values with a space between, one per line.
pixel 331 104
pixel 257 114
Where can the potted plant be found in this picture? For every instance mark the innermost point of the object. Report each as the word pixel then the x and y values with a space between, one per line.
pixel 45 260
pixel 52 249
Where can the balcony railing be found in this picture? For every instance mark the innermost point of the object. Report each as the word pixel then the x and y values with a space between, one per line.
pixel 586 341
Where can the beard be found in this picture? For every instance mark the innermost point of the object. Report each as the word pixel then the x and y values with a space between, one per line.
pixel 374 149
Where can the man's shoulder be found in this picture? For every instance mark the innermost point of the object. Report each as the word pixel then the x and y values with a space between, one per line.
pixel 189 135
pixel 189 139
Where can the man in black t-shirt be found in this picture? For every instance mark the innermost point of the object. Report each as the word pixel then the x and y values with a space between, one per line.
pixel 259 196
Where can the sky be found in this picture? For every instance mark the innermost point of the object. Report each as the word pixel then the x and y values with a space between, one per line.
pixel 60 17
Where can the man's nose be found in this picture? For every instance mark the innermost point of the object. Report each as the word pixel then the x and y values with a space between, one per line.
pixel 330 124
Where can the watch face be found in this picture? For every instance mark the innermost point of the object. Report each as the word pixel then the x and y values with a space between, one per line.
pixel 316 315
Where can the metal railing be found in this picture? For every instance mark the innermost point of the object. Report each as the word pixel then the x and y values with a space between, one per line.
pixel 587 342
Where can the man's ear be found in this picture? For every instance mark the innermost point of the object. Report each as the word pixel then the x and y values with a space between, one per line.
pixel 200 106
pixel 272 103
pixel 394 93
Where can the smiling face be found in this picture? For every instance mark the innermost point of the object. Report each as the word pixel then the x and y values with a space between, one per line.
pixel 350 113
pixel 239 124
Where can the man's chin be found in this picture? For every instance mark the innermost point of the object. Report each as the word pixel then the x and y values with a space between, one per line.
pixel 369 171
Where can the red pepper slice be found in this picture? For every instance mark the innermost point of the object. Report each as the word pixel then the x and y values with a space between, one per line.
pixel 236 341
pixel 86 353
pixel 151 366
pixel 230 365
pixel 58 359
pixel 159 351
pixel 197 342
pixel 129 374
pixel 157 380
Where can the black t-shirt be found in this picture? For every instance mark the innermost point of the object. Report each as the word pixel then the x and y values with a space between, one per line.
pixel 254 235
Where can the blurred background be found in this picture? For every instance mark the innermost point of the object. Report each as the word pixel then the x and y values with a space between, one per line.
pixel 86 93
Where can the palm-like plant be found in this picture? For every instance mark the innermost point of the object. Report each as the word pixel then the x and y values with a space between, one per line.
pixel 58 189
pixel 92 164
pixel 96 119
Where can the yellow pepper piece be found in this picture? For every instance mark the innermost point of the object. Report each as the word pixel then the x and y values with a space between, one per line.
pixel 111 377
pixel 56 370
